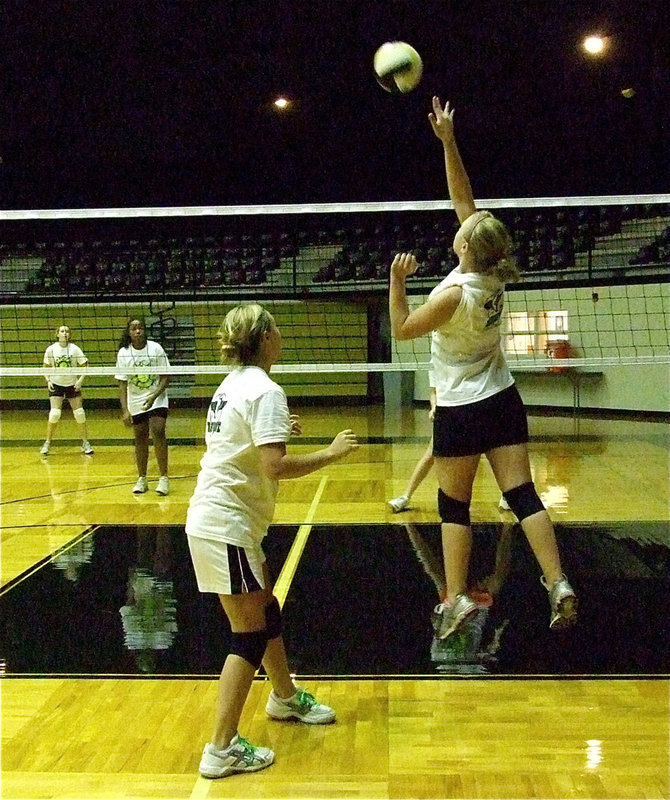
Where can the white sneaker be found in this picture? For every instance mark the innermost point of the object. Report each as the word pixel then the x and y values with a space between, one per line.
pixel 163 485
pixel 141 486
pixel 399 503
pixel 86 448
pixel 239 756
pixel 302 706
pixel 503 505
pixel 44 450
pixel 563 603
pixel 448 619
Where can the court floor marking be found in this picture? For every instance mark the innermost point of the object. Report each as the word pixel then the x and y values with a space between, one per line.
pixel 285 578
pixel 13 582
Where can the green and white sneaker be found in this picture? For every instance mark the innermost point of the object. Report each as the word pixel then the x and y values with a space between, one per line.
pixel 303 706
pixel 239 756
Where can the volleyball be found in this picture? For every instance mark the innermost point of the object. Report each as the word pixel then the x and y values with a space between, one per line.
pixel 398 67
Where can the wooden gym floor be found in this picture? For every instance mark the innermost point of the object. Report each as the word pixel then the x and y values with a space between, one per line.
pixel 85 715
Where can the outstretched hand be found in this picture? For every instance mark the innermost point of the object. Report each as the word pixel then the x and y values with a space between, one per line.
pixel 442 120
pixel 344 443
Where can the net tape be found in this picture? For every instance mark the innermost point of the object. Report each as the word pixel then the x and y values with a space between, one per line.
pixel 537 364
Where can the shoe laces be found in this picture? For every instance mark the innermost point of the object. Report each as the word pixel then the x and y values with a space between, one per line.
pixel 306 699
pixel 248 750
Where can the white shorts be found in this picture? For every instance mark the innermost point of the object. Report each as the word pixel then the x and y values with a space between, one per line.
pixel 225 568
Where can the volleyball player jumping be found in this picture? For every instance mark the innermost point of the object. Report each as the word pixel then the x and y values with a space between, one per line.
pixel 479 410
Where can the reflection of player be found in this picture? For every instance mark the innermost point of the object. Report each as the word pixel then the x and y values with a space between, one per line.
pixel 63 354
pixel 144 400
pixel 472 648
pixel 71 559
pixel 150 615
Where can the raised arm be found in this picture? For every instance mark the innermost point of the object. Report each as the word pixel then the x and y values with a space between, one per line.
pixel 458 183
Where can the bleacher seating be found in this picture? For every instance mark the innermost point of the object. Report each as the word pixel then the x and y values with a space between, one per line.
pixel 561 243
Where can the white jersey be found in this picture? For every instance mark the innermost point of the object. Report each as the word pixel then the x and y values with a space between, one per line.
pixel 234 499
pixel 467 362
pixel 59 356
pixel 129 363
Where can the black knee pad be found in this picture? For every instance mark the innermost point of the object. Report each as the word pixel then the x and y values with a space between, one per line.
pixel 273 621
pixel 249 645
pixel 451 510
pixel 524 500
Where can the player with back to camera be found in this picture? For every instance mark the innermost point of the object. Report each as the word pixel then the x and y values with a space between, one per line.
pixel 479 410
pixel 62 353
pixel 248 425
pixel 144 400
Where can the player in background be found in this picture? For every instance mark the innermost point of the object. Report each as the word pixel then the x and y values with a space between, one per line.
pixel 63 354
pixel 144 400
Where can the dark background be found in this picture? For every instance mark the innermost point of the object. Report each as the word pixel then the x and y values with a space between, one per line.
pixel 137 102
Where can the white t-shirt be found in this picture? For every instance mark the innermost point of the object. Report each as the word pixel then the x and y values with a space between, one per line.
pixel 467 362
pixel 58 356
pixel 234 499
pixel 129 362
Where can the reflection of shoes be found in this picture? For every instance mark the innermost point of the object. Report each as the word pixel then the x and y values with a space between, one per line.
pixel 86 448
pixel 563 603
pixel 44 451
pixel 163 485
pixel 141 486
pixel 399 503
pixel 239 756
pixel 503 505
pixel 302 706
pixel 448 619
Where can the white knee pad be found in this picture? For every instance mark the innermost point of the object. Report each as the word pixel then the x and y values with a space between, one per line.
pixel 79 415
pixel 54 415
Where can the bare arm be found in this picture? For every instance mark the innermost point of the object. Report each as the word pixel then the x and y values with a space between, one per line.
pixel 433 402
pixel 432 314
pixel 80 378
pixel 278 464
pixel 458 183
pixel 123 399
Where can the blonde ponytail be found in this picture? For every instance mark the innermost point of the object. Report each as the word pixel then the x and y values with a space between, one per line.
pixel 241 331
pixel 491 247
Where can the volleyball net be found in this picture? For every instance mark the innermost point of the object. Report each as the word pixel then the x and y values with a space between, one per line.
pixel 594 287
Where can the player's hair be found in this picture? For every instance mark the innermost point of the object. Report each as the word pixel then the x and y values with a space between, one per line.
pixel 241 331
pixel 124 341
pixel 62 325
pixel 491 246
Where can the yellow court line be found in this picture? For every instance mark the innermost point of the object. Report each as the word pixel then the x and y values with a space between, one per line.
pixel 201 788
pixel 283 582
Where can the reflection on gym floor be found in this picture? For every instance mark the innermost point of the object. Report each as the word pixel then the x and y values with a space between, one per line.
pixel 122 600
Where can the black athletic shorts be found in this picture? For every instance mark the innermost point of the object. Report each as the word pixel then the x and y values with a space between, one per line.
pixel 138 419
pixel 478 427
pixel 64 391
